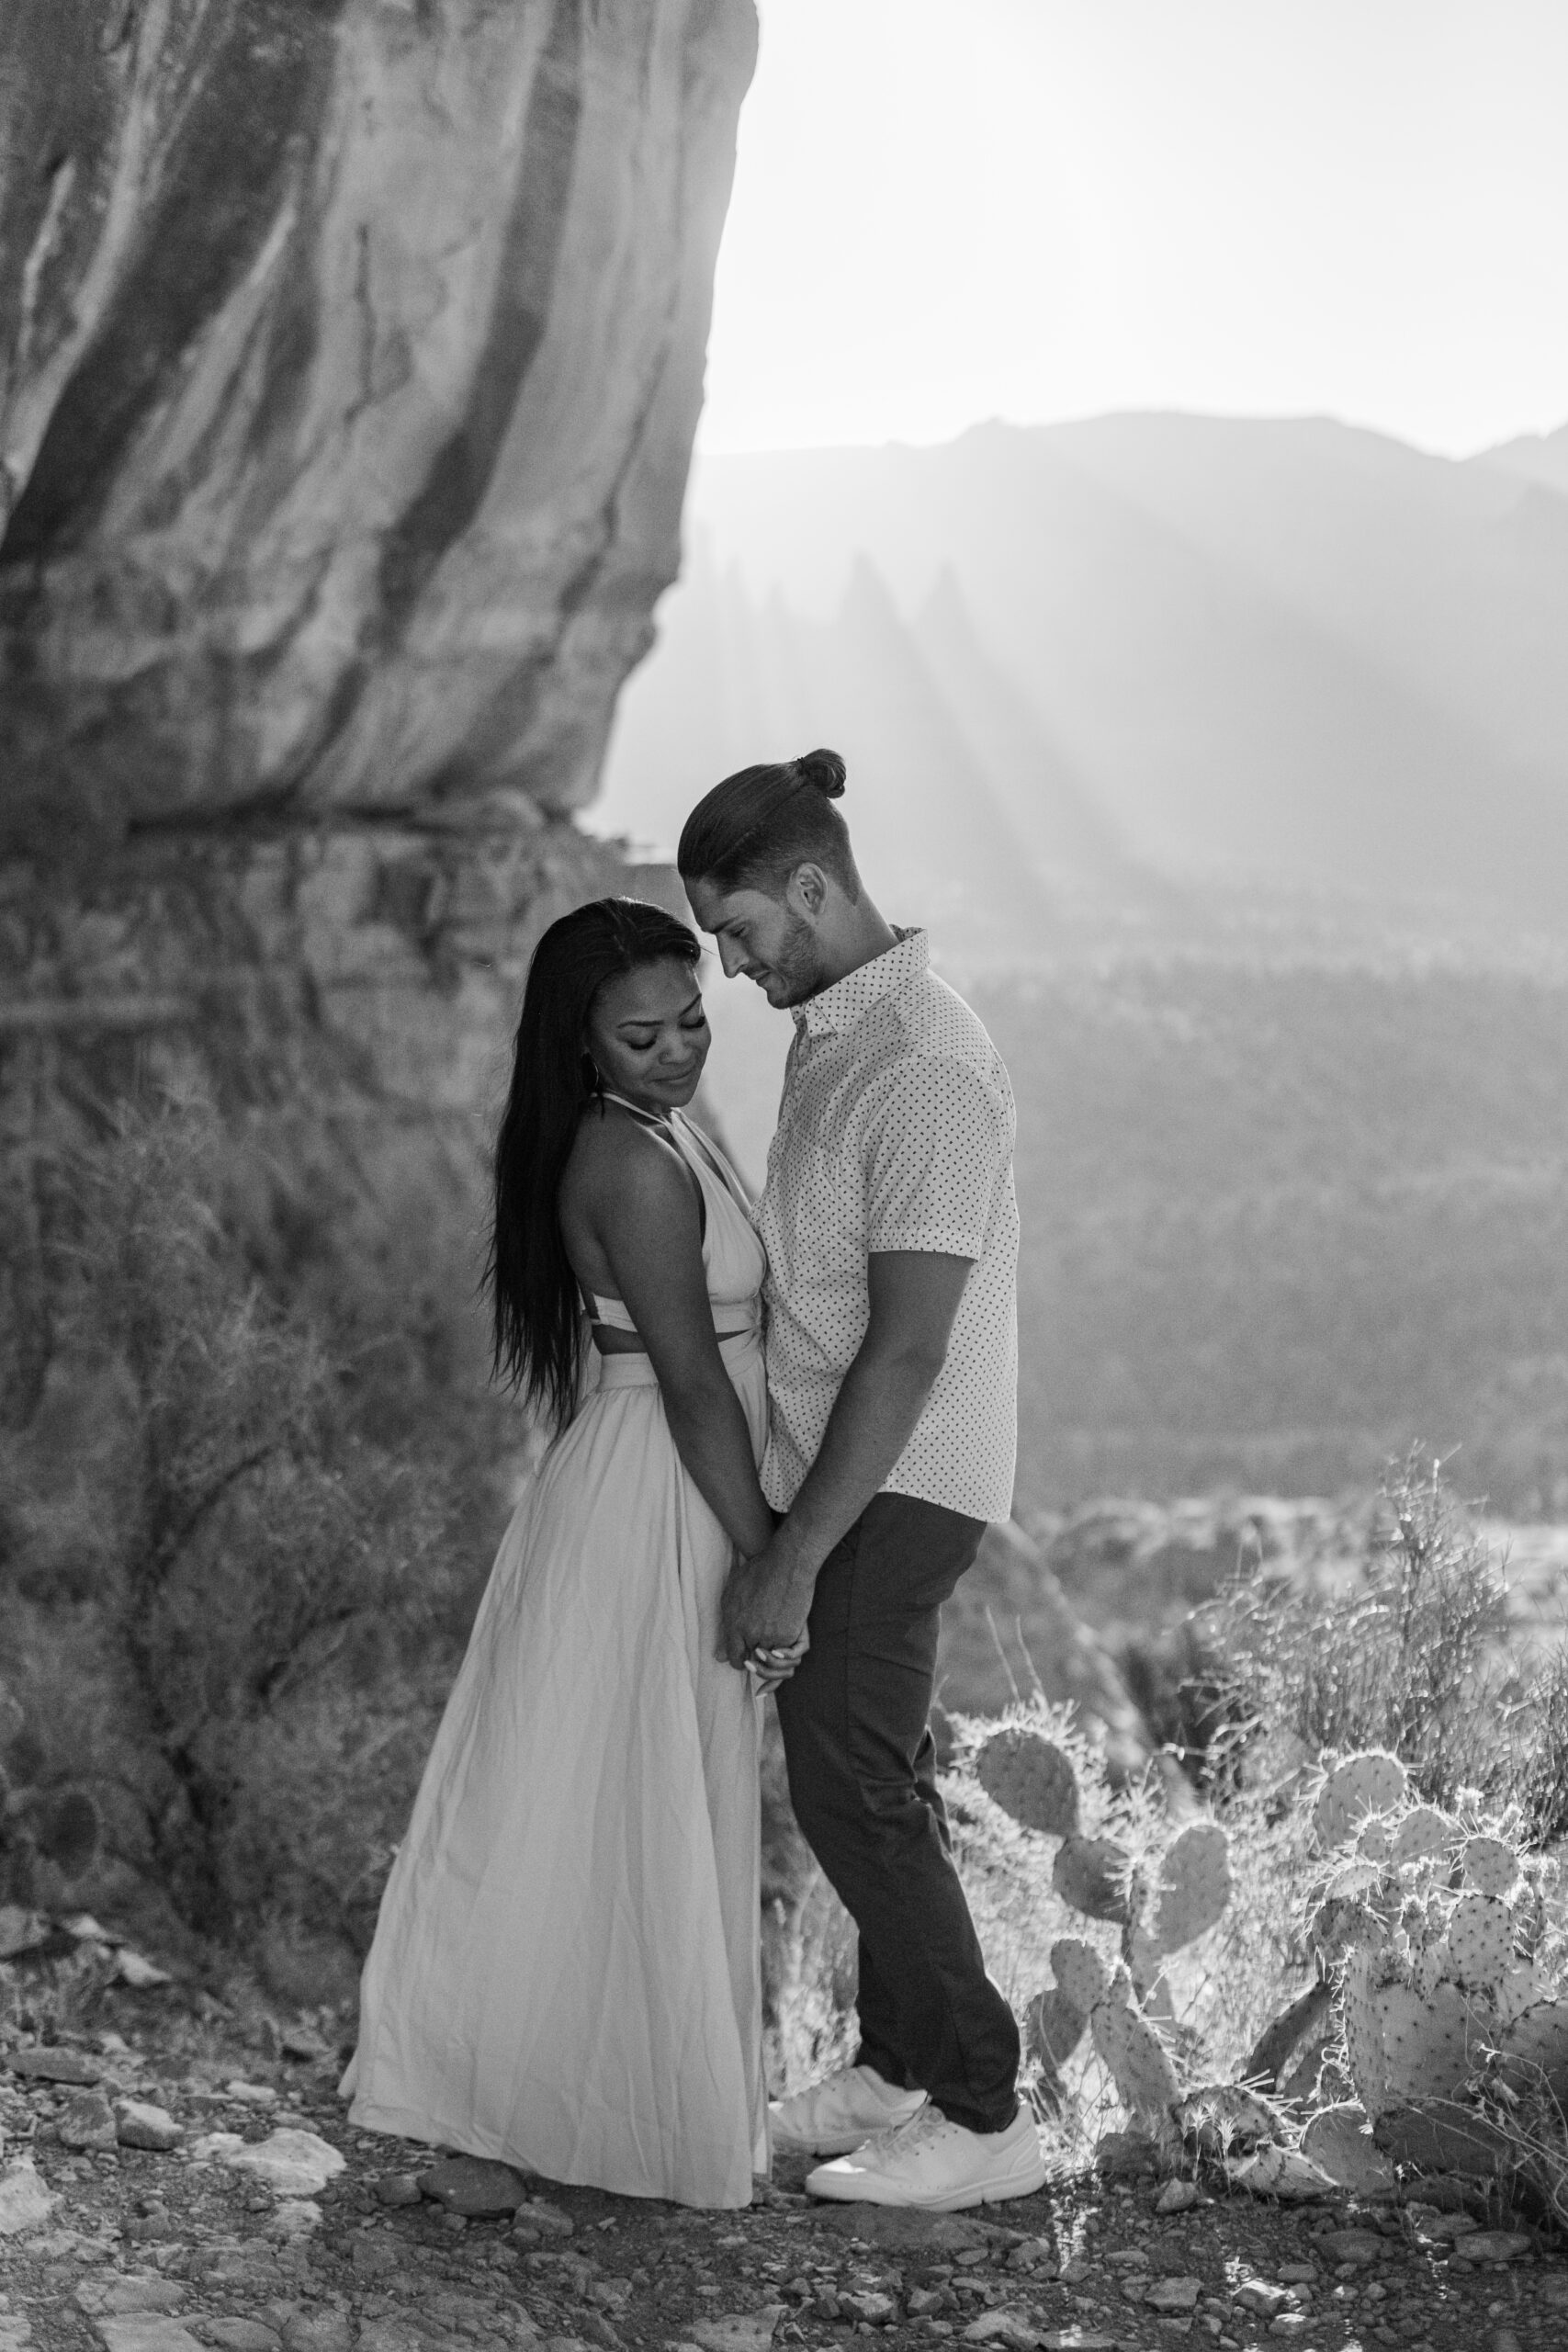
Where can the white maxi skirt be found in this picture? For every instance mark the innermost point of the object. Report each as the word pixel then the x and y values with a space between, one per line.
pixel 565 1971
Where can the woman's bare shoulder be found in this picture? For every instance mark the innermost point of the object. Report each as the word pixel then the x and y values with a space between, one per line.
pixel 615 1160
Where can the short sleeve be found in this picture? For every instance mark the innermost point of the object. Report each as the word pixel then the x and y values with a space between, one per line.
pixel 936 1144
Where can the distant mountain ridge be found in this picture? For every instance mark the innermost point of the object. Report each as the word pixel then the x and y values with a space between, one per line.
pixel 1139 647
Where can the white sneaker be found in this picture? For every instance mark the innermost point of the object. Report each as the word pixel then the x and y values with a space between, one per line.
pixel 840 2112
pixel 937 2165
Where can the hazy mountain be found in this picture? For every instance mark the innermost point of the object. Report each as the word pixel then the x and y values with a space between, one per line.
pixel 1228 765
pixel 1292 648
pixel 741 678
pixel 1535 456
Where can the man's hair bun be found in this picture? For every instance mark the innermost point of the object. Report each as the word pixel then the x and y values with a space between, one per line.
pixel 824 771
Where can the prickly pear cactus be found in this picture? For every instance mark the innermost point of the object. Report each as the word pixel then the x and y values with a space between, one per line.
pixel 1136 2059
pixel 1194 1886
pixel 1534 2051
pixel 1094 1875
pixel 1031 1779
pixel 1080 1973
pixel 1369 1782
pixel 1056 2025
pixel 1481 1941
pixel 1491 1867
pixel 1423 1832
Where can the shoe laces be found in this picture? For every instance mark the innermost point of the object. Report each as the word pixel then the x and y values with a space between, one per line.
pixel 927 2124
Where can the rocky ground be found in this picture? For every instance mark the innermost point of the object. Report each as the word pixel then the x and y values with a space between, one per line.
pixel 166 2185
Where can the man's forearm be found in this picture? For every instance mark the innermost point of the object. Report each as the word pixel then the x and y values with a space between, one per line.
pixel 872 1418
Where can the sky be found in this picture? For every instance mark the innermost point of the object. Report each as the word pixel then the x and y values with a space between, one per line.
pixel 946 211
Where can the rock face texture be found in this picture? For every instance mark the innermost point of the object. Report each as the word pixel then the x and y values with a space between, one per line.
pixel 352 352
pixel 350 356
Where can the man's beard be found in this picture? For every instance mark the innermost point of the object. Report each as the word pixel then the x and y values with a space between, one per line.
pixel 798 962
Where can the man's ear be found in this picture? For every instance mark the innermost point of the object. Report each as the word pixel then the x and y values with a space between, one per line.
pixel 806 891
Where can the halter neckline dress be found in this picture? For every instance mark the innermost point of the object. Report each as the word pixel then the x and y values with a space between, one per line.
pixel 565 1972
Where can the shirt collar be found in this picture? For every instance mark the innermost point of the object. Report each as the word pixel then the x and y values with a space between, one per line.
pixel 839 1006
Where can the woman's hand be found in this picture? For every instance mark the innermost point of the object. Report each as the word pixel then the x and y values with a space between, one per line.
pixel 766 1668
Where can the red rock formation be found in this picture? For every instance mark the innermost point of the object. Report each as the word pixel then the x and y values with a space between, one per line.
pixel 350 355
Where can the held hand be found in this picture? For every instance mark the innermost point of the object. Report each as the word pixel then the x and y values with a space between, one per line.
pixel 765 1669
pixel 764 1606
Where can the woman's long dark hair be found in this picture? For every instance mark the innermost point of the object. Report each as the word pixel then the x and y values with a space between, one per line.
pixel 536 1307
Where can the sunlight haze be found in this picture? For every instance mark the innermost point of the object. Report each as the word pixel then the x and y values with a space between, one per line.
pixel 946 211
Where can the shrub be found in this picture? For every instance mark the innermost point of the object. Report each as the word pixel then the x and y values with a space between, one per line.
pixel 1405 1649
pixel 229 1615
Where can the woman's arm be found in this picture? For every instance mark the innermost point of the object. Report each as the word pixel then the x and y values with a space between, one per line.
pixel 642 1206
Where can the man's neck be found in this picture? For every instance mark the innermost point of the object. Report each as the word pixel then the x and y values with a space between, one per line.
pixel 863 937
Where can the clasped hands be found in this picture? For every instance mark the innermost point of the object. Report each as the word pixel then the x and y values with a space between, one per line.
pixel 762 1617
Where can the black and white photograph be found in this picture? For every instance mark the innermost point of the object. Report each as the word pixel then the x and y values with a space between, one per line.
pixel 783 1175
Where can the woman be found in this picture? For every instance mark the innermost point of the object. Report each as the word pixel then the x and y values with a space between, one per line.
pixel 565 1968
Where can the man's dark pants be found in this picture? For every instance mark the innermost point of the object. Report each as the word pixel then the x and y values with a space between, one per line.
pixel 863 1781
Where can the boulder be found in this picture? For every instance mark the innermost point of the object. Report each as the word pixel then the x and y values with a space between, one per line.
pixel 341 461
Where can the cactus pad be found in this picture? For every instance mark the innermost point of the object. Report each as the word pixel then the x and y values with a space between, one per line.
pixel 1481 1941
pixel 1194 1885
pixel 1425 2052
pixel 1375 1843
pixel 1055 2027
pixel 1091 1875
pixel 1363 2031
pixel 1490 1867
pixel 1338 2139
pixel 1032 1780
pixel 1081 1973
pixel 1371 1783
pixel 1534 2051
pixel 1423 1832
pixel 1137 2060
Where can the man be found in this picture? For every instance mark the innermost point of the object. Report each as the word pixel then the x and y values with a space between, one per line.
pixel 892 1237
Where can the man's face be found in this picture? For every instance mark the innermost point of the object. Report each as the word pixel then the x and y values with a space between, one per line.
pixel 771 941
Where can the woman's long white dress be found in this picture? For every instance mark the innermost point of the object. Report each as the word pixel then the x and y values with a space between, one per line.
pixel 565 1971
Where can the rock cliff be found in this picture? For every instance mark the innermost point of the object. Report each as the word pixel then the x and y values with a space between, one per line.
pixel 350 356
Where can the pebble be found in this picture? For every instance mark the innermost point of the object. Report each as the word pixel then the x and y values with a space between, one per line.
pixel 238 2334
pixel 140 2124
pixel 295 2164
pixel 250 2094
pixel 1177 2197
pixel 51 2066
pixel 144 2332
pixel 86 2122
pixel 119 2295
pixel 319 2331
pixel 1495 2245
pixel 26 2201
pixel 737 2331
pixel 1173 2294
pixel 475 2186
pixel 1358 2246
pixel 398 2188
pixel 1014 2330
pixel 1258 2295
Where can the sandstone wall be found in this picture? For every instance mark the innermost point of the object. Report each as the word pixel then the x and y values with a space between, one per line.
pixel 350 356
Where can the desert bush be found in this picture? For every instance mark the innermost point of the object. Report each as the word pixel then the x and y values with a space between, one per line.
pixel 228 1615
pixel 1405 1648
